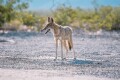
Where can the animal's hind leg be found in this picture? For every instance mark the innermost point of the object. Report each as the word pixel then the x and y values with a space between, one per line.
pixel 71 42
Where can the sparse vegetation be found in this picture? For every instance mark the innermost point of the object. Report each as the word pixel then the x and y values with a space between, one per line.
pixel 106 17
pixel 13 13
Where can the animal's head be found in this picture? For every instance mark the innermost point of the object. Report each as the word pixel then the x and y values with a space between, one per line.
pixel 49 25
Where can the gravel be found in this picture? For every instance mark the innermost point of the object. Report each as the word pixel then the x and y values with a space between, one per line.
pixel 97 54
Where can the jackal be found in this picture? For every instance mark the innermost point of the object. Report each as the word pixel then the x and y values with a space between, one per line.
pixel 62 34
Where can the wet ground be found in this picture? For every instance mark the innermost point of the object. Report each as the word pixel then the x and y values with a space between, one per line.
pixel 97 55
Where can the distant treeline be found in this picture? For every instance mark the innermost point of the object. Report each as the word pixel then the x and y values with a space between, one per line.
pixel 13 15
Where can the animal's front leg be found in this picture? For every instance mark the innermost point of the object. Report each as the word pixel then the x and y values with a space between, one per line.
pixel 65 46
pixel 61 50
pixel 56 42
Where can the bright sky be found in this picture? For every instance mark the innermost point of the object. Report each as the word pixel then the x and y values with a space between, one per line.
pixel 48 4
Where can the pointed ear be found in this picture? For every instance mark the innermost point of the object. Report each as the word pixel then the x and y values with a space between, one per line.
pixel 49 19
pixel 52 20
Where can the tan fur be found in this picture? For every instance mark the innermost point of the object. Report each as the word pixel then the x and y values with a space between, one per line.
pixel 62 34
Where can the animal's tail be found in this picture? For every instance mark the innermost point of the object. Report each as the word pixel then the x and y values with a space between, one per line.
pixel 70 44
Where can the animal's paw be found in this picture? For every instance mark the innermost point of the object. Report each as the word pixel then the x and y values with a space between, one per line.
pixel 64 59
pixel 74 59
pixel 55 59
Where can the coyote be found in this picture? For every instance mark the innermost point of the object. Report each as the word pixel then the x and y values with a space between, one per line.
pixel 62 34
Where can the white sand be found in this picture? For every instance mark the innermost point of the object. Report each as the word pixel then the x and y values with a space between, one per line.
pixel 13 74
